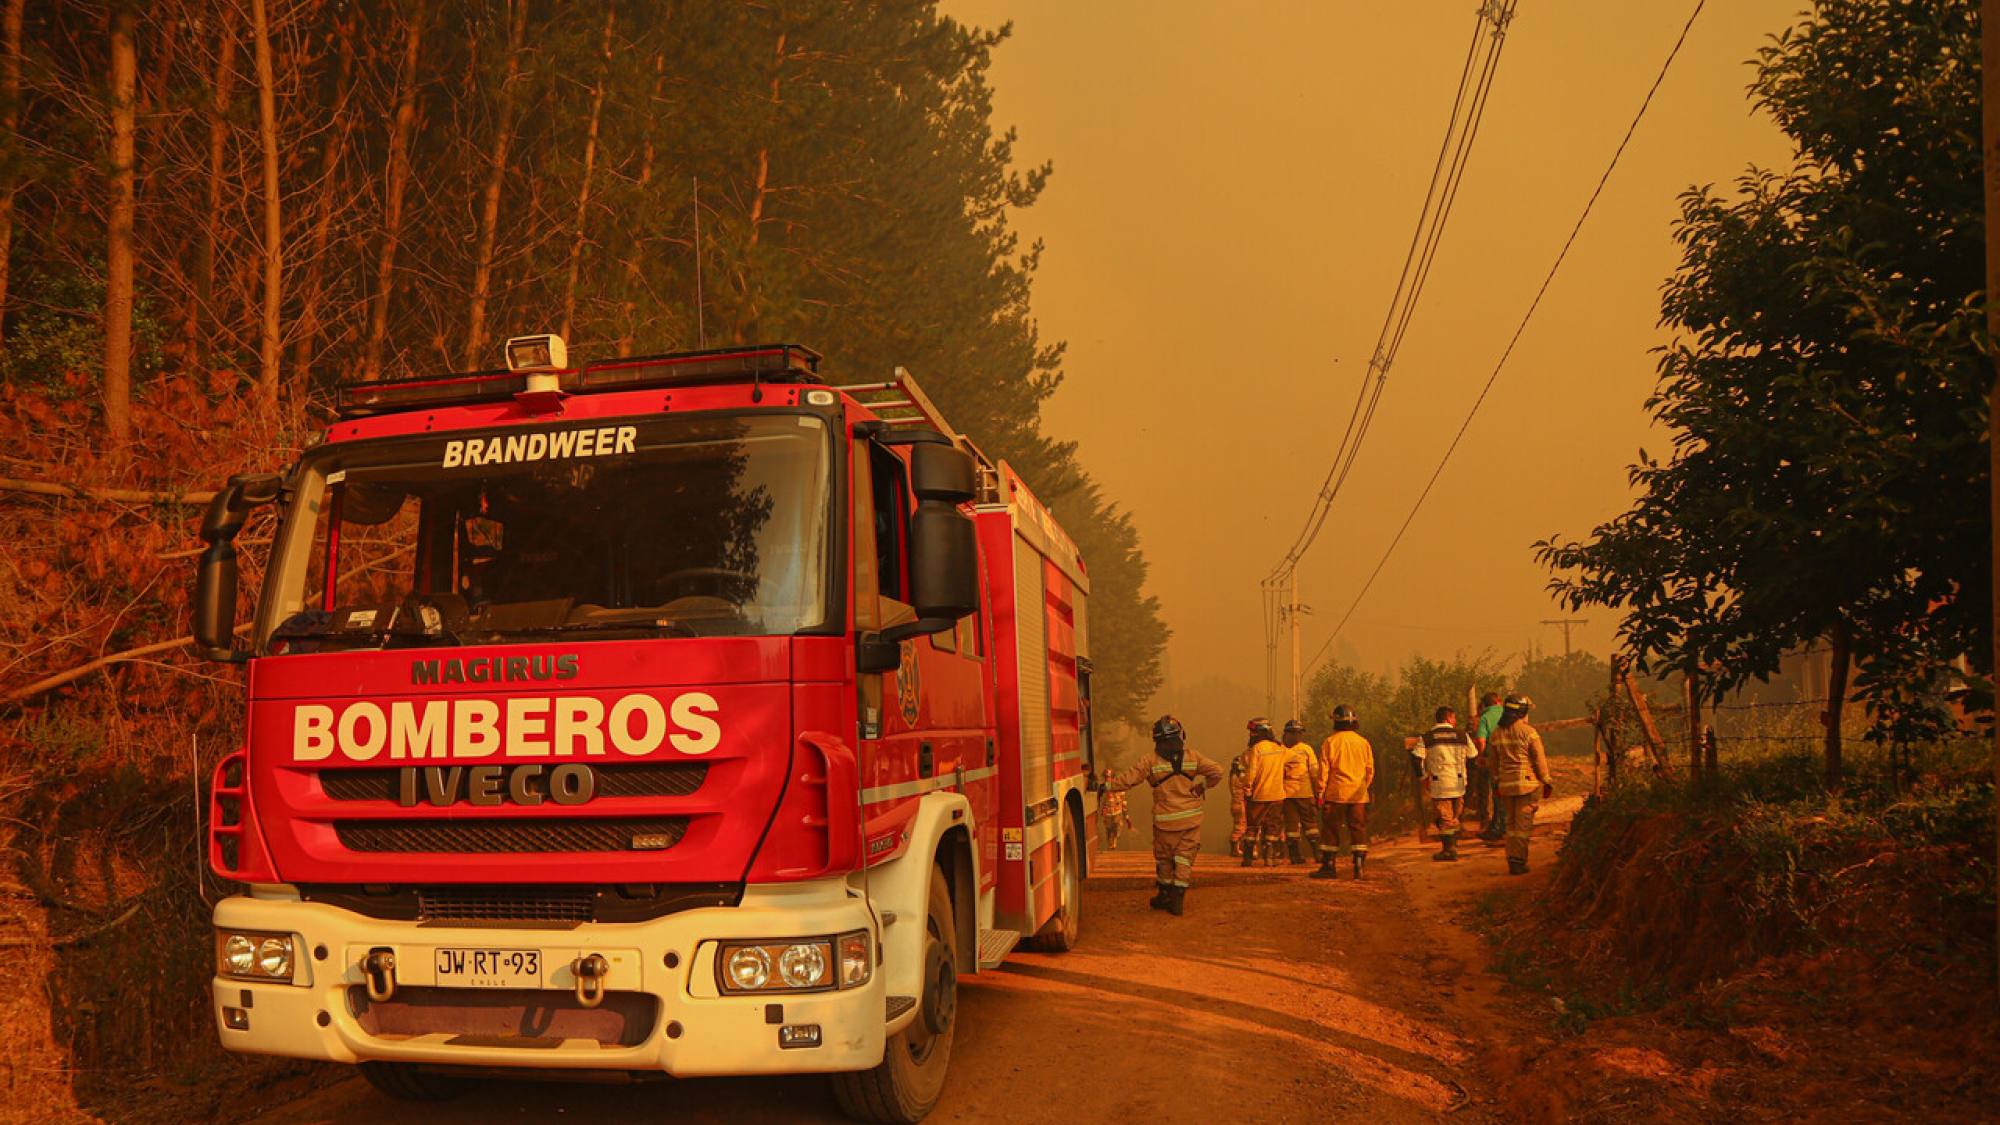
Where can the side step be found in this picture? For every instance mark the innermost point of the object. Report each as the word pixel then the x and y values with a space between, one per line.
pixel 898 1005
pixel 995 945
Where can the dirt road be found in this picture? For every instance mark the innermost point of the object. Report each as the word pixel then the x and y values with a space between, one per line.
pixel 1277 998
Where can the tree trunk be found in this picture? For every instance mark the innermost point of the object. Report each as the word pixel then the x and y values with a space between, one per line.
pixel 1613 740
pixel 747 316
pixel 629 309
pixel 1836 697
pixel 118 249
pixel 496 178
pixel 1989 51
pixel 583 189
pixel 221 91
pixel 397 176
pixel 1691 692
pixel 268 339
pixel 330 182
pixel 10 121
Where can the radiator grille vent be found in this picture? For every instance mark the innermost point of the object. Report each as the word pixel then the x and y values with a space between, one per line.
pixel 486 837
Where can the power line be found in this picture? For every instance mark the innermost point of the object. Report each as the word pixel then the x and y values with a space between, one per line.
pixel 1468 110
pixel 1527 316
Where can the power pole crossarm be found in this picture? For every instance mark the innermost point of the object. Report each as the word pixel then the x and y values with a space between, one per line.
pixel 1567 623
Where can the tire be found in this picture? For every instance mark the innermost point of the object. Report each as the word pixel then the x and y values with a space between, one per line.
pixel 910 1079
pixel 407 1083
pixel 1061 932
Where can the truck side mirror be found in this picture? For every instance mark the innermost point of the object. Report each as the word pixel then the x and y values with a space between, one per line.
pixel 944 564
pixel 942 472
pixel 944 551
pixel 215 577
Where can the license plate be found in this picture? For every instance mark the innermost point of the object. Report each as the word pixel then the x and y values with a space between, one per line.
pixel 473 967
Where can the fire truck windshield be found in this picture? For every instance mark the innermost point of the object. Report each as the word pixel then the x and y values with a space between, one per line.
pixel 696 525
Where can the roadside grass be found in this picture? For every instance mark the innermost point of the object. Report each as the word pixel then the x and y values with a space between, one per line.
pixel 1663 891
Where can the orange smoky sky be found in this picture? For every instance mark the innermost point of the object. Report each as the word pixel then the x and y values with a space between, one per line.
pixel 1235 187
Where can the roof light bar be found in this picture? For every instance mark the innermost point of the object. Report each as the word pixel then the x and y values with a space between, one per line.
pixel 386 396
pixel 770 363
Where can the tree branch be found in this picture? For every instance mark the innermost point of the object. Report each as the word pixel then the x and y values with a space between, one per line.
pixel 114 495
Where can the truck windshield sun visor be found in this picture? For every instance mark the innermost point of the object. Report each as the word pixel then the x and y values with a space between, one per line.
pixel 689 526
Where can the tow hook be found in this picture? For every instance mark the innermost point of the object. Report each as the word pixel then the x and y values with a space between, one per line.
pixel 379 969
pixel 590 972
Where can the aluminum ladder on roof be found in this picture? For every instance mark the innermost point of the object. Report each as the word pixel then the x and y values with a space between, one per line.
pixel 908 405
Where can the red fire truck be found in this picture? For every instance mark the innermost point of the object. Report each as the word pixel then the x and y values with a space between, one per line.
pixel 679 715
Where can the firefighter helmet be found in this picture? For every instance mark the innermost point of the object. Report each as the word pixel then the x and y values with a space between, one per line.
pixel 1344 718
pixel 1259 727
pixel 1516 706
pixel 1169 729
pixel 1293 726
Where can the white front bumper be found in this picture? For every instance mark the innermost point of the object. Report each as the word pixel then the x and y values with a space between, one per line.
pixel 698 1031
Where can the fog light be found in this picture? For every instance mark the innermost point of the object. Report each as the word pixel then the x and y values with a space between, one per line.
pixel 236 1019
pixel 802 966
pixel 749 968
pixel 857 959
pixel 794 1035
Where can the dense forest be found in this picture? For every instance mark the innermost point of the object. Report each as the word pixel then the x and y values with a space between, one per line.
pixel 212 212
pixel 264 198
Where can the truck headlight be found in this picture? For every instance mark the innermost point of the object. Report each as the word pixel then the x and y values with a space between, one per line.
pixel 254 955
pixel 803 966
pixel 812 964
pixel 239 955
pixel 749 968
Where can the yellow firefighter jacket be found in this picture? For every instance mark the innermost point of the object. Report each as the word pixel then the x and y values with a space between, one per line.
pixel 1301 770
pixel 1519 764
pixel 1267 771
pixel 1346 768
pixel 1177 793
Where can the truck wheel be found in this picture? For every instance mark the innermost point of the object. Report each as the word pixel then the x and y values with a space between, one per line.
pixel 907 1084
pixel 1060 934
pixel 408 1083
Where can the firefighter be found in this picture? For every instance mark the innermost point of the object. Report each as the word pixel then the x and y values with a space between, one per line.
pixel 1521 775
pixel 1263 822
pixel 1346 771
pixel 1239 794
pixel 1301 812
pixel 1492 822
pixel 1443 754
pixel 1180 779
pixel 1112 810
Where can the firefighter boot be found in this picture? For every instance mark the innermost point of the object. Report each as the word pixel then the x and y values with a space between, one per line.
pixel 1326 868
pixel 1292 850
pixel 1360 861
pixel 1249 851
pixel 1516 866
pixel 1449 851
pixel 1176 900
pixel 1160 897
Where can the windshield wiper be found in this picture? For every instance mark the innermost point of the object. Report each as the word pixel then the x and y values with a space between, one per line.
pixel 647 623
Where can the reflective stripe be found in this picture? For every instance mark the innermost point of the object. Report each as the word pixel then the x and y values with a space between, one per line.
pixel 1183 861
pixel 924 785
pixel 1176 815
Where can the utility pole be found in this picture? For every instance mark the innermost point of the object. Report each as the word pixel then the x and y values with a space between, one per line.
pixel 1294 613
pixel 1989 36
pixel 1567 623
